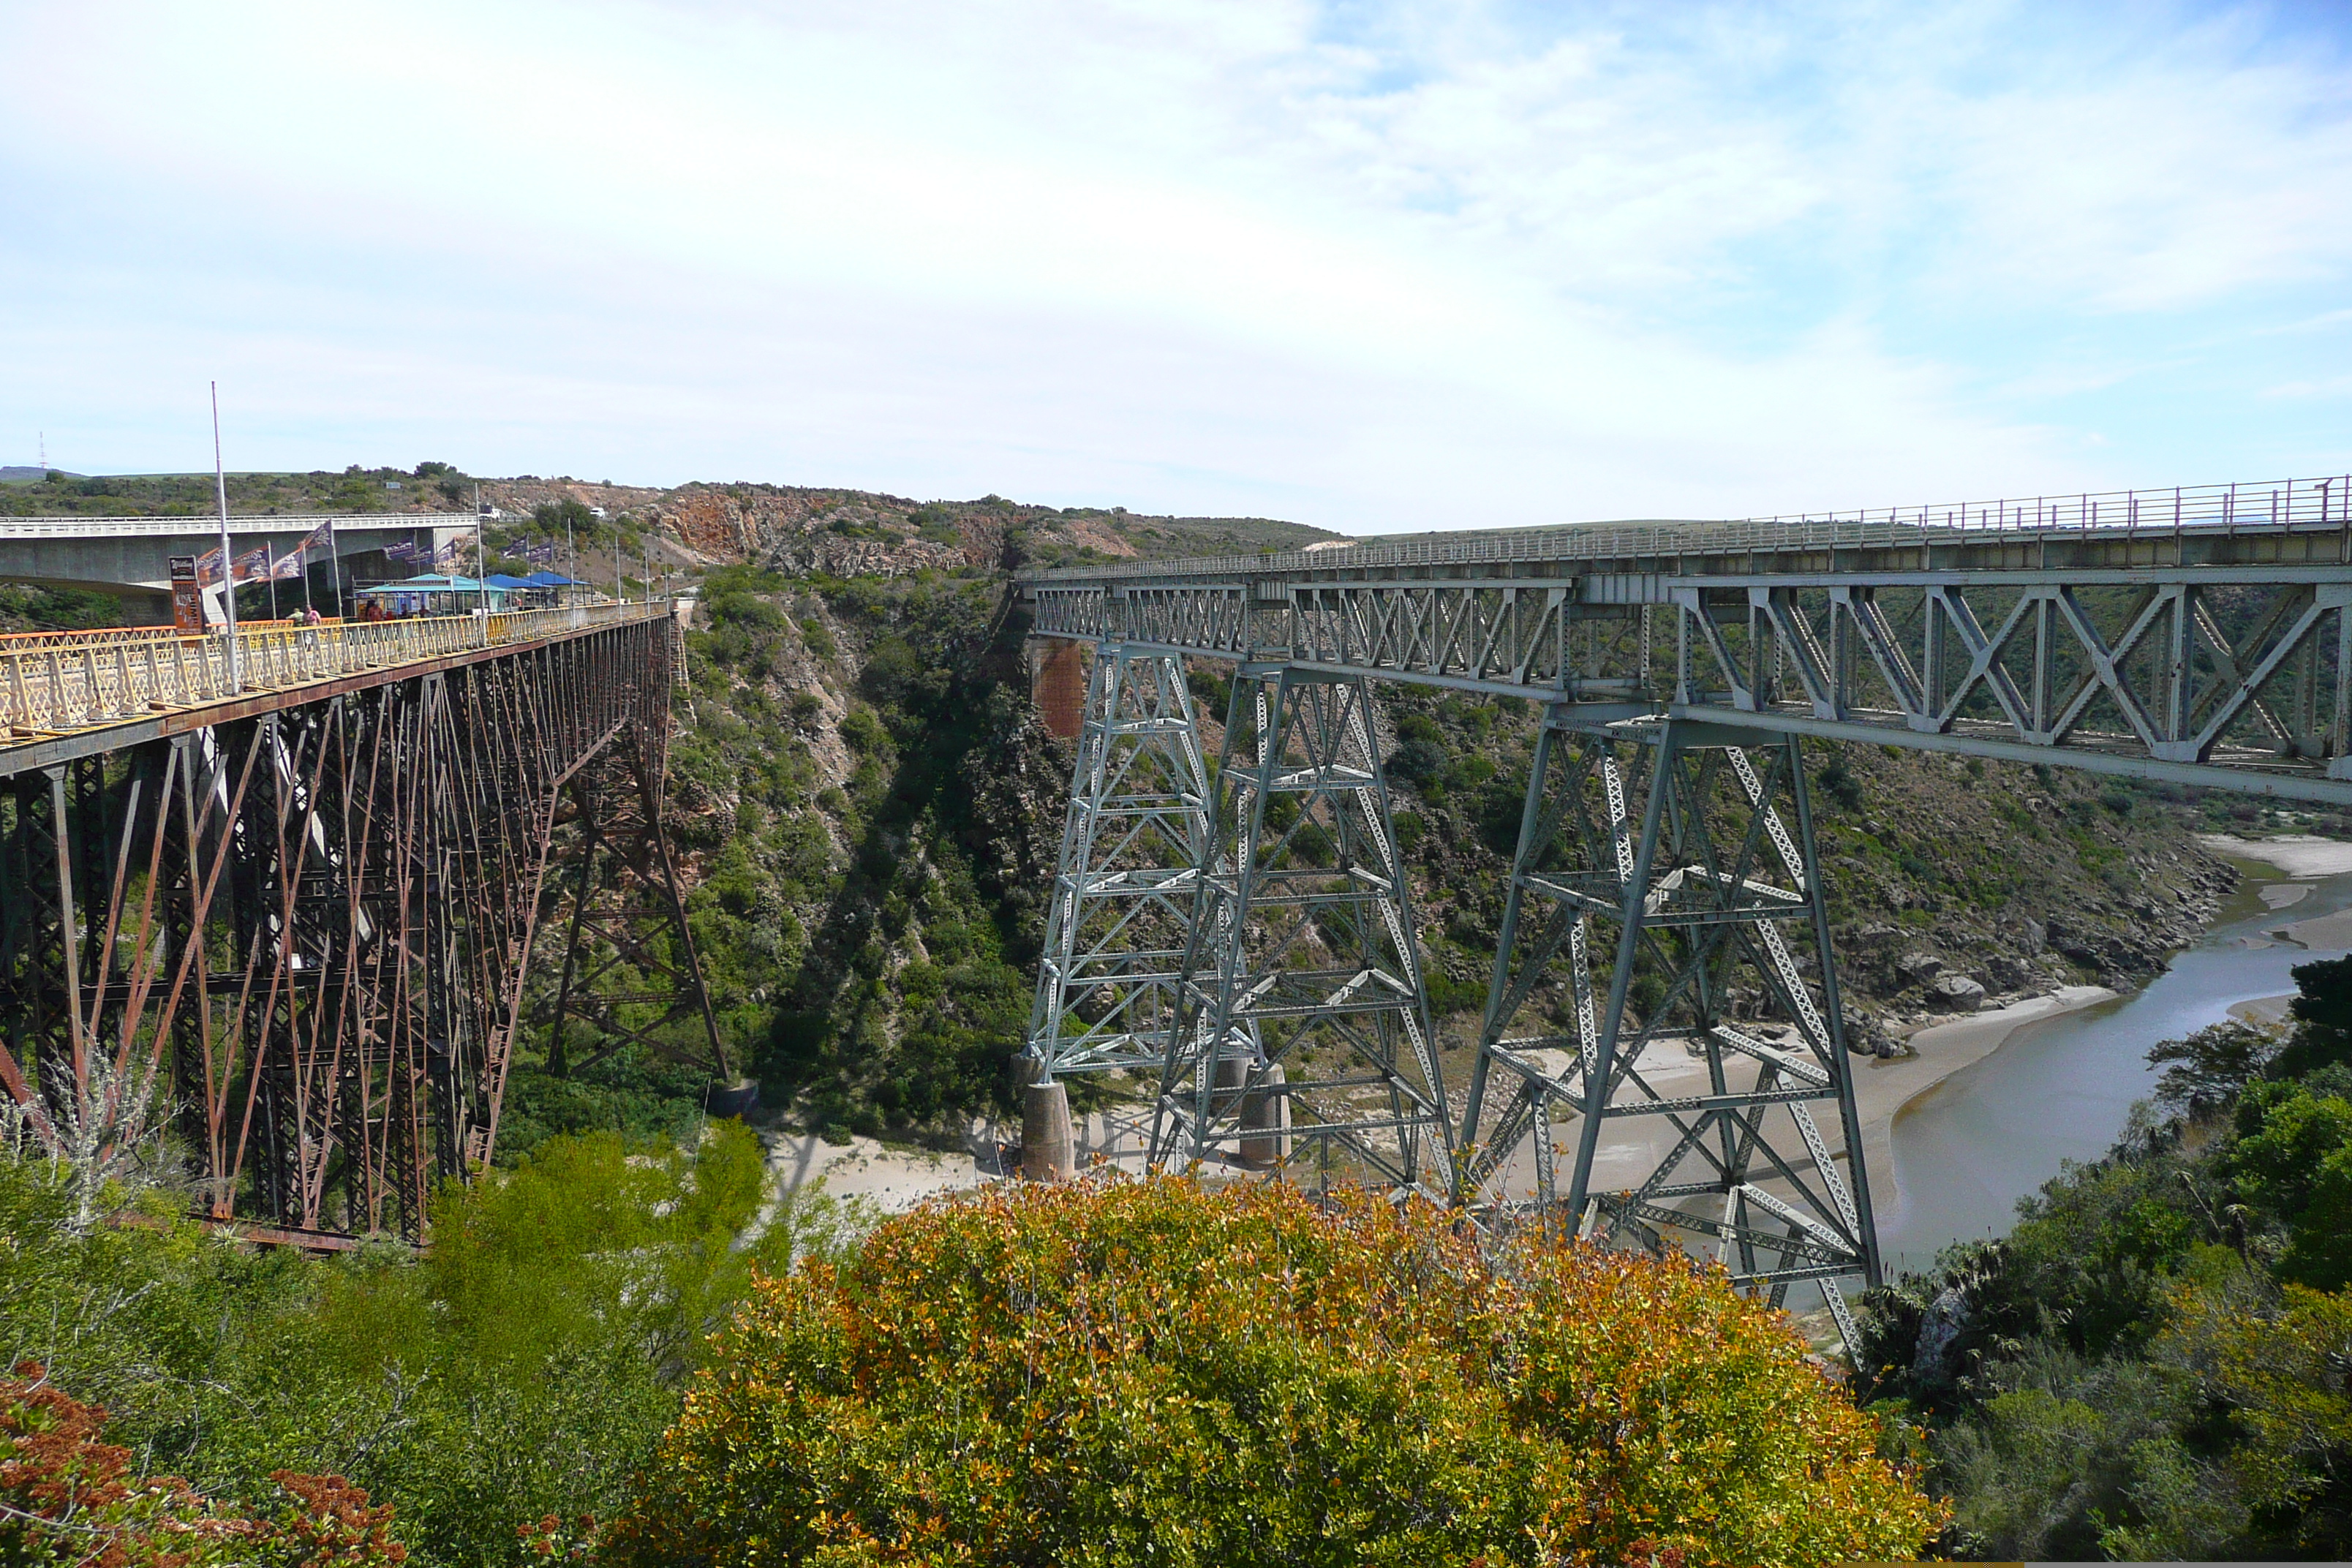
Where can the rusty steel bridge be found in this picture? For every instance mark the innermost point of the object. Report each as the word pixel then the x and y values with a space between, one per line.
pixel 277 895
pixel 1662 1016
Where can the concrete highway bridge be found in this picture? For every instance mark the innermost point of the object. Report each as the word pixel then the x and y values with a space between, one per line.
pixel 130 557
pixel 1663 1018
pixel 279 894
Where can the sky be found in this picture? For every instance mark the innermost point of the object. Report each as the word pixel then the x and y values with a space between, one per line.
pixel 1374 266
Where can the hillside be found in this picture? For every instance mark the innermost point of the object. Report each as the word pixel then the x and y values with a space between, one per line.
pixel 871 809
pixel 711 523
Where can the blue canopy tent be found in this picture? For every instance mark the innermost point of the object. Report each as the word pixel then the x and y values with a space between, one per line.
pixel 433 595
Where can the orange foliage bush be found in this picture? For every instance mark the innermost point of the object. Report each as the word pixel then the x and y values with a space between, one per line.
pixel 68 1499
pixel 1120 1372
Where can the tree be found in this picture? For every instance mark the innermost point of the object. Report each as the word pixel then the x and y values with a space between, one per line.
pixel 1120 1370
pixel 2323 1010
pixel 2281 1366
pixel 2210 1068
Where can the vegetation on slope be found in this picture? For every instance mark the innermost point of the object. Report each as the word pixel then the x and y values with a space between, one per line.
pixel 2154 1363
pixel 523 1367
pixel 427 487
pixel 1121 1372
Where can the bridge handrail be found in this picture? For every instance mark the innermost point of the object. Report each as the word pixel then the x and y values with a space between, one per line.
pixel 2282 505
pixel 199 523
pixel 77 680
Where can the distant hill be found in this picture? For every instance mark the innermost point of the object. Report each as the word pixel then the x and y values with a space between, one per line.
pixel 731 522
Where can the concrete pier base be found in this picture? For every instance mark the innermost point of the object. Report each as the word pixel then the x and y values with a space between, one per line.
pixel 1265 1118
pixel 1267 1114
pixel 1048 1152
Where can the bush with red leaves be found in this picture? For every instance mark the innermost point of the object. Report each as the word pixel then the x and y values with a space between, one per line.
pixel 69 1499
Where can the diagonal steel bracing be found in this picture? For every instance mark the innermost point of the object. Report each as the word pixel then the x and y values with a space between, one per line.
pixel 1302 1023
pixel 2196 637
pixel 308 914
pixel 1133 843
pixel 1664 987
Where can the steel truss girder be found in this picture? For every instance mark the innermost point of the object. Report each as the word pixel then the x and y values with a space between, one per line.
pixel 2229 674
pixel 1301 1000
pixel 1697 967
pixel 1133 843
pixel 313 924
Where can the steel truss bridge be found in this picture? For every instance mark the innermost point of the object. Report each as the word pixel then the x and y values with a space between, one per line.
pixel 1664 985
pixel 277 895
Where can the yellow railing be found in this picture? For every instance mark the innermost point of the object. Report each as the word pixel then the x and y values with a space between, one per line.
pixel 54 682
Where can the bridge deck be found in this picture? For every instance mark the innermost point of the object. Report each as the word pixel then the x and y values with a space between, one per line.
pixel 2270 519
pixel 67 694
pixel 2197 637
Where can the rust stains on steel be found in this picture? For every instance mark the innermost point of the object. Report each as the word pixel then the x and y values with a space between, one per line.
pixel 301 928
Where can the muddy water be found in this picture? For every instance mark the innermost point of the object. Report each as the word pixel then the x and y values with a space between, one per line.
pixel 1967 1150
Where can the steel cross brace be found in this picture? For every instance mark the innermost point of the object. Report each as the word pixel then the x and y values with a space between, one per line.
pixel 1300 1005
pixel 1134 842
pixel 1715 1021
pixel 303 932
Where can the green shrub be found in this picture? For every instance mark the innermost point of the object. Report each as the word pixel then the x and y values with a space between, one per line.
pixel 1143 1371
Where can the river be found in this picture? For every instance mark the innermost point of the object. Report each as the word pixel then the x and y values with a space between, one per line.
pixel 2060 1089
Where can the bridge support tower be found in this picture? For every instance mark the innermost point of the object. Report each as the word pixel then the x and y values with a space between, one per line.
pixel 1302 1025
pixel 1664 978
pixel 1124 891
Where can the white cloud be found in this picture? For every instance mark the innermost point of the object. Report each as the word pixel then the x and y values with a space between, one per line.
pixel 1414 267
pixel 2327 386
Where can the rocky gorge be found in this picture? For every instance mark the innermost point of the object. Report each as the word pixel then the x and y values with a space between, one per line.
pixel 870 808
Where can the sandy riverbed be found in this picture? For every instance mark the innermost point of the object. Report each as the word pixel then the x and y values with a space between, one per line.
pixel 2304 859
pixel 895 1179
pixel 2297 854
pixel 2263 1011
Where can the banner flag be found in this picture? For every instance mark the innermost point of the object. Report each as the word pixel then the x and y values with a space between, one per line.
pixel 404 550
pixel 251 566
pixel 315 539
pixel 208 565
pixel 290 566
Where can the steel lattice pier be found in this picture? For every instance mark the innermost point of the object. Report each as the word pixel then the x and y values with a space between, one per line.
pixel 306 915
pixel 1663 986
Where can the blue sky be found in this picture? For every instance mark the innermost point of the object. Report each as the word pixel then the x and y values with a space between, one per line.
pixel 1371 266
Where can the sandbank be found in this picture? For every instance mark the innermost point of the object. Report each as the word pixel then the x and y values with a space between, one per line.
pixel 897 1179
pixel 1883 1089
pixel 2321 933
pixel 2296 854
pixel 2263 1012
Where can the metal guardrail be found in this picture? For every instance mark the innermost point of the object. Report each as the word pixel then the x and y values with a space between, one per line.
pixel 54 683
pixel 209 523
pixel 2282 505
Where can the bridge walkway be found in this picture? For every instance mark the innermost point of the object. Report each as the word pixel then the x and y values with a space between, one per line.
pixel 69 694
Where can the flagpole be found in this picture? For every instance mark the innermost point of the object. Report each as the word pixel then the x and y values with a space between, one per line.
pixel 228 571
pixel 302 564
pixel 481 588
pixel 269 564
